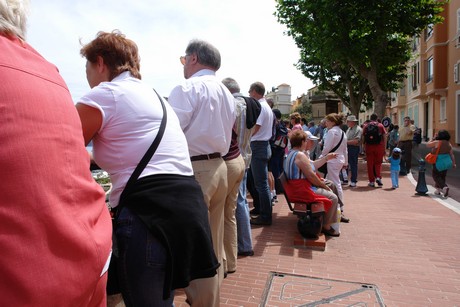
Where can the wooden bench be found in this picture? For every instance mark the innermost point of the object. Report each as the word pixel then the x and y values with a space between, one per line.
pixel 310 220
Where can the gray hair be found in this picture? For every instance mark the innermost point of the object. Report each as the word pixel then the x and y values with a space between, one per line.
pixel 13 17
pixel 206 53
pixel 232 85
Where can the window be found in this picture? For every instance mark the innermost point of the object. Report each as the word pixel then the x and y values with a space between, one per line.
pixel 429 31
pixel 458 29
pixel 415 42
pixel 457 72
pixel 442 111
pixel 415 75
pixel 429 70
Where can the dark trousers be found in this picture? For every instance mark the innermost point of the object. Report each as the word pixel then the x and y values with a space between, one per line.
pixel 353 154
pixel 439 177
pixel 406 159
pixel 276 166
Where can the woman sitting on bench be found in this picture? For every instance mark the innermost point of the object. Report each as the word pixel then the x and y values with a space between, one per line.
pixel 297 165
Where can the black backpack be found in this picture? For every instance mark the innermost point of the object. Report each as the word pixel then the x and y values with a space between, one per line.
pixel 281 138
pixel 373 135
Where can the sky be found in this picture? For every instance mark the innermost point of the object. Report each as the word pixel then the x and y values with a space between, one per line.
pixel 252 43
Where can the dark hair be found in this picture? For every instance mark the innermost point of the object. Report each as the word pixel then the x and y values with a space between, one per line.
pixel 297 137
pixel 119 53
pixel 374 116
pixel 206 53
pixel 337 119
pixel 395 155
pixel 443 135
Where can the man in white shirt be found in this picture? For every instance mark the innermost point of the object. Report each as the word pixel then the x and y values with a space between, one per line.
pixel 205 108
pixel 261 152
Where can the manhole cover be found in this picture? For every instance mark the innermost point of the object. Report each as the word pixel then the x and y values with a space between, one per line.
pixel 284 289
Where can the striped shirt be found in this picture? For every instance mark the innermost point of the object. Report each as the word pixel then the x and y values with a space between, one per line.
pixel 244 134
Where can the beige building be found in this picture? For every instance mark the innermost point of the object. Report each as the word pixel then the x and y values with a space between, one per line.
pixel 431 93
pixel 281 97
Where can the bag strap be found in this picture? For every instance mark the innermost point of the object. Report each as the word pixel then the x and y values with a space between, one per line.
pixel 146 158
pixel 337 146
pixel 439 147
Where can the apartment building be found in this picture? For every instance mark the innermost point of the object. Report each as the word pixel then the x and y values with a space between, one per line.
pixel 431 93
pixel 281 96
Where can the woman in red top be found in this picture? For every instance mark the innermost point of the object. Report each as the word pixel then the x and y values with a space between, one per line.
pixel 55 229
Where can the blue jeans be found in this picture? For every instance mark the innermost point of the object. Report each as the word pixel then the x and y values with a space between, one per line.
pixel 353 154
pixel 242 218
pixel 395 178
pixel 260 192
pixel 142 263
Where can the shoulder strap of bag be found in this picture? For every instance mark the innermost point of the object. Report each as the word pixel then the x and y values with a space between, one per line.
pixel 337 146
pixel 439 147
pixel 147 156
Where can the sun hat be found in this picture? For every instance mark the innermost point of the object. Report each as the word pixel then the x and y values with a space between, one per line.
pixel 351 118
pixel 310 136
pixel 396 149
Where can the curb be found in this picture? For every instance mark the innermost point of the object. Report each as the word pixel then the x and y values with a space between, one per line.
pixel 446 202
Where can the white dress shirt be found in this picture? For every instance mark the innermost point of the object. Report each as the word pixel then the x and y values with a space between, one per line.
pixel 206 111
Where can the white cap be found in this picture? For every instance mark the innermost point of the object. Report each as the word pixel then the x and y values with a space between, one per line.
pixel 310 136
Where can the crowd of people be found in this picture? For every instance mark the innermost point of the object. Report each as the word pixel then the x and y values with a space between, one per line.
pixel 180 171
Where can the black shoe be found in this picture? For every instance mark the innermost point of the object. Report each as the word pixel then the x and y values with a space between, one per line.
pixel 246 254
pixel 379 182
pixel 259 221
pixel 254 212
pixel 344 219
pixel 330 232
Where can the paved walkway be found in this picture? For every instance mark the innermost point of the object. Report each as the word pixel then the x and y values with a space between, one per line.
pixel 408 246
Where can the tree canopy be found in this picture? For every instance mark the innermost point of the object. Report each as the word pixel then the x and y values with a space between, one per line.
pixel 357 48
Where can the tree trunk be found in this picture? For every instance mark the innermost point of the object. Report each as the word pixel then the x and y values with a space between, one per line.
pixel 380 96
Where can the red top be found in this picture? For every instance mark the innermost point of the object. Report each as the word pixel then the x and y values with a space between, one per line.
pixel 55 230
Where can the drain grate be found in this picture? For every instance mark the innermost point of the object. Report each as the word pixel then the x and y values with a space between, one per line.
pixel 283 289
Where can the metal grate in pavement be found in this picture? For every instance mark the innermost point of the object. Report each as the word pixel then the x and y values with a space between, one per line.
pixel 283 289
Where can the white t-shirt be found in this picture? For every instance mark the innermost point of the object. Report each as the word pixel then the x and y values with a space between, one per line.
pixel 131 117
pixel 265 121
pixel 206 111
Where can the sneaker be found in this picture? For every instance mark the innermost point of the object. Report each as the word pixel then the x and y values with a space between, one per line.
pixel 371 184
pixel 353 184
pixel 275 198
pixel 345 182
pixel 379 181
pixel 437 192
pixel 445 191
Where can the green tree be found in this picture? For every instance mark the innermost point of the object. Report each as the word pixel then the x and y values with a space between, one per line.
pixel 348 42
pixel 304 108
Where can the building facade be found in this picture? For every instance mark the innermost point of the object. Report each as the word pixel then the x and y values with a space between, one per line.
pixel 281 97
pixel 431 93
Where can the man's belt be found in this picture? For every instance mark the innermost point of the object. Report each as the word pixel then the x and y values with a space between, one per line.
pixel 406 141
pixel 214 155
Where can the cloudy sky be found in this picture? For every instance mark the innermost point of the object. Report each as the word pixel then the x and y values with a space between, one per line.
pixel 251 41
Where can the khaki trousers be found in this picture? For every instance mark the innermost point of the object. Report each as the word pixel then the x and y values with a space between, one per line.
pixel 212 177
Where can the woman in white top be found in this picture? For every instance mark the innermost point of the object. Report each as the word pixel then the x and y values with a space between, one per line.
pixel 336 141
pixel 164 239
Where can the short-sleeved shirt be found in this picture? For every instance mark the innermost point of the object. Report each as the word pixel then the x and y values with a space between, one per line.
pixel 265 121
pixel 131 117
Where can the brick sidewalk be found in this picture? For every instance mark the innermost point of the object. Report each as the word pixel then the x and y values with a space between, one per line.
pixel 406 245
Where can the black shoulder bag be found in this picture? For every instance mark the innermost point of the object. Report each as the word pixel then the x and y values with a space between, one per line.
pixel 323 168
pixel 112 282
